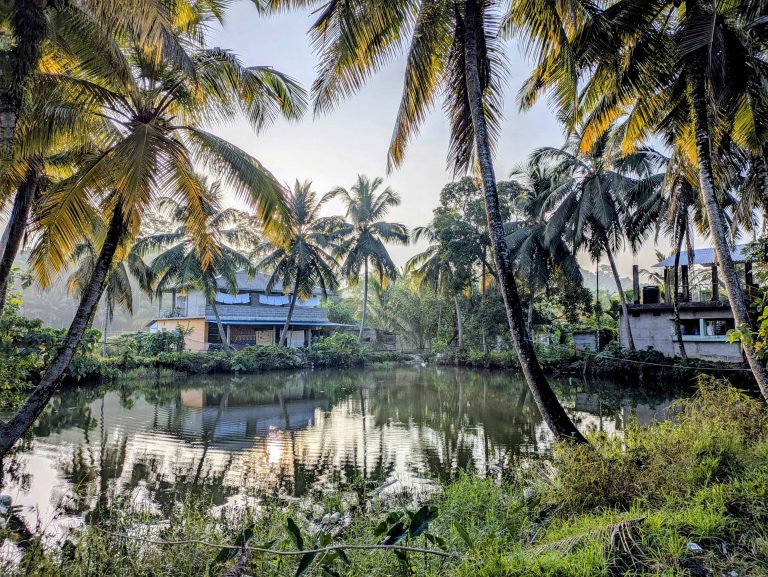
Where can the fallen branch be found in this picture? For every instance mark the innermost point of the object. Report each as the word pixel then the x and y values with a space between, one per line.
pixel 282 552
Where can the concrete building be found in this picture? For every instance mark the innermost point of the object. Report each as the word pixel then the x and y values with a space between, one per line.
pixel 705 314
pixel 250 317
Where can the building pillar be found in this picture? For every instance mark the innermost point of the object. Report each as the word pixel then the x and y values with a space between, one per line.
pixel 636 284
pixel 715 284
pixel 702 328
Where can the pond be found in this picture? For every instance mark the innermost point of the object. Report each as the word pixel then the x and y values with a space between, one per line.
pixel 234 439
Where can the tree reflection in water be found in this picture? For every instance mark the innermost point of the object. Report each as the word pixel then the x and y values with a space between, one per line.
pixel 215 439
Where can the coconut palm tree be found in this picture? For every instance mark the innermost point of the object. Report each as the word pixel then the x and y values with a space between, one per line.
pixel 181 264
pixel 46 35
pixel 302 259
pixel 151 114
pixel 364 235
pixel 440 269
pixel 586 206
pixel 128 264
pixel 39 28
pixel 537 255
pixel 693 69
pixel 453 51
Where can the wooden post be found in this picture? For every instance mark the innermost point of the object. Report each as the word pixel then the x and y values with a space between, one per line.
pixel 686 283
pixel 715 284
pixel 636 284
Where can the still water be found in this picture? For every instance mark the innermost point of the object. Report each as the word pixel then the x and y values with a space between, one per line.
pixel 232 440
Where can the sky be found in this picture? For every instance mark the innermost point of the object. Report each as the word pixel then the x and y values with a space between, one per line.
pixel 331 150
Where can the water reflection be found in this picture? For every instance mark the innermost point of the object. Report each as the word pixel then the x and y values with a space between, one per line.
pixel 230 439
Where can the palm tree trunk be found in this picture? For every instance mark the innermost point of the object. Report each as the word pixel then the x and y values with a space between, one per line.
pixel 104 339
pixel 17 65
pixel 12 430
pixel 736 298
pixel 597 305
pixel 365 300
pixel 459 324
pixel 622 296
pixel 675 303
pixel 16 227
pixel 220 327
pixel 532 291
pixel 551 410
pixel 284 333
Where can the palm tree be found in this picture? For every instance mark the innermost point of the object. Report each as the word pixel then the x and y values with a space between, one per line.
pixel 586 205
pixel 58 32
pixel 128 264
pixel 87 25
pixel 694 69
pixel 435 267
pixel 537 255
pixel 302 258
pixel 181 264
pixel 363 236
pixel 453 50
pixel 151 114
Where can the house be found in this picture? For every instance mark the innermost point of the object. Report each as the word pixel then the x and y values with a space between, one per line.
pixel 251 317
pixel 705 314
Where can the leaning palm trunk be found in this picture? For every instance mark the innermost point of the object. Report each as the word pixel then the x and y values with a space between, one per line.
pixel 622 296
pixel 717 227
pixel 220 327
pixel 675 298
pixel 530 309
pixel 17 65
pixel 459 324
pixel 365 300
pixel 287 326
pixel 12 430
pixel 17 225
pixel 546 400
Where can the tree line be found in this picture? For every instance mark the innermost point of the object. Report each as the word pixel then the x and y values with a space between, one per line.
pixel 109 104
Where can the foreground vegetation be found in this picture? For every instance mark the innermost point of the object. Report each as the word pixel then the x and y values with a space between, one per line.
pixel 683 497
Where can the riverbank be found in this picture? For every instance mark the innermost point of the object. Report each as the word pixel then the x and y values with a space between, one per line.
pixel 686 497
pixel 641 368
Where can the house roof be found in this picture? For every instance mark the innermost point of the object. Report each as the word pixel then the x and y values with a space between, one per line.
pixel 257 283
pixel 704 256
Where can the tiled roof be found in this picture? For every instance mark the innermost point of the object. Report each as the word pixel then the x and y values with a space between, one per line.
pixel 229 313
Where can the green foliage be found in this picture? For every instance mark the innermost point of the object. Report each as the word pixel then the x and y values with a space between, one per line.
pixel 337 350
pixel 268 357
pixel 148 344
pixel 27 346
pixel 341 312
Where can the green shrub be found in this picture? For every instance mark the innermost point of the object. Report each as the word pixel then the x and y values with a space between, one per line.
pixel 193 363
pixel 266 357
pixel 337 350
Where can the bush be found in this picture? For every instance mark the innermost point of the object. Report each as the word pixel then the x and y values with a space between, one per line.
pixel 26 348
pixel 266 357
pixel 337 350
pixel 192 363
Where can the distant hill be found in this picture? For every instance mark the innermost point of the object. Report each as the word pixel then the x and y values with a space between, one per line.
pixel 606 279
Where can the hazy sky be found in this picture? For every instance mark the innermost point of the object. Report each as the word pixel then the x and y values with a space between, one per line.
pixel 331 150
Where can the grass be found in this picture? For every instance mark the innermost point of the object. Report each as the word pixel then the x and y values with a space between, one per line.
pixel 687 497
